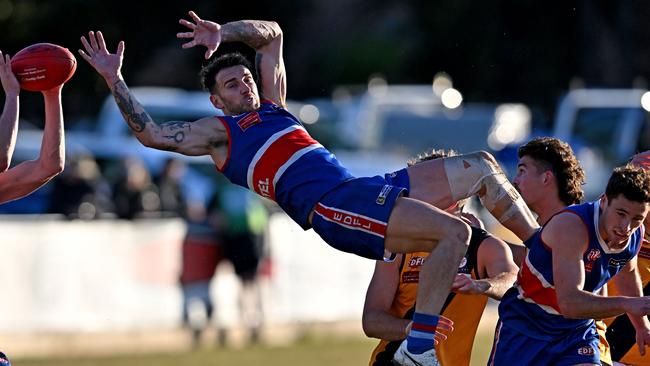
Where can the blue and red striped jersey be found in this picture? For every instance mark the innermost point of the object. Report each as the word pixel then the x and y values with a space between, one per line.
pixel 531 306
pixel 271 153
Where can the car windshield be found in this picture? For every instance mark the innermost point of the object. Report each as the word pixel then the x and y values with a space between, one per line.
pixel 602 127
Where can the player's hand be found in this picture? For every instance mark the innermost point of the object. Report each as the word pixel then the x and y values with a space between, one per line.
pixel 107 64
pixel 642 339
pixel 444 327
pixel 9 82
pixel 464 284
pixel 204 33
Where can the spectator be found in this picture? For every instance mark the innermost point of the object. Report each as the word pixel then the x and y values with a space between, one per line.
pixel 172 199
pixel 80 192
pixel 134 195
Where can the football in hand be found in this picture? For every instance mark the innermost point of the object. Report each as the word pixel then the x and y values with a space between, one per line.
pixel 43 66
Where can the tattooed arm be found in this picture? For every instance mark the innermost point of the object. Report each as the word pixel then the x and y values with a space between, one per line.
pixel 263 36
pixel 201 137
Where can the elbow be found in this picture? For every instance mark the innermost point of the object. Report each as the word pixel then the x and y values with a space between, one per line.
pixel 52 168
pixel 367 330
pixel 277 30
pixel 366 325
pixel 568 309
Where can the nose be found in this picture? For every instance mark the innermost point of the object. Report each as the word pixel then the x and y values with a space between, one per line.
pixel 246 89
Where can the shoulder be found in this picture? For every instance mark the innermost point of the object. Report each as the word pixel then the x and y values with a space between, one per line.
pixel 493 248
pixel 566 226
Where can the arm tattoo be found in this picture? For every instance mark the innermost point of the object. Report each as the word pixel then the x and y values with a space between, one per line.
pixel 254 33
pixel 176 130
pixel 128 104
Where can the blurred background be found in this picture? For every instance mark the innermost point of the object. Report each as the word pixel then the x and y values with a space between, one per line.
pixel 133 250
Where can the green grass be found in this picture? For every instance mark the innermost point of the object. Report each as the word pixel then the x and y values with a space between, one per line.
pixel 312 350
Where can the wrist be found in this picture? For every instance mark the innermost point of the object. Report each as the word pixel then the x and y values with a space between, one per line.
pixel 12 93
pixel 111 80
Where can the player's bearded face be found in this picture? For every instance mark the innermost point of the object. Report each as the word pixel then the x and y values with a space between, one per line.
pixel 622 217
pixel 237 91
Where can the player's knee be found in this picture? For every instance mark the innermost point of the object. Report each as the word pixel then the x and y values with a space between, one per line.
pixel 459 234
pixel 487 157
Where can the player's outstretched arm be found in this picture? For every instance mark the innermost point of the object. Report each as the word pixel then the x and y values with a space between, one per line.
pixel 188 138
pixel 377 321
pixel 9 118
pixel 265 37
pixel 28 176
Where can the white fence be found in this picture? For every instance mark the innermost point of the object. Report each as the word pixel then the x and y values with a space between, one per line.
pixel 118 275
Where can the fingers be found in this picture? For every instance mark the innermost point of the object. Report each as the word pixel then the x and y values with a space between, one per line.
pixel 120 48
pixel 208 53
pixel 101 42
pixel 93 40
pixel 640 342
pixel 194 16
pixel 439 337
pixel 89 49
pixel 83 55
pixel 189 44
pixel 187 24
pixel 185 35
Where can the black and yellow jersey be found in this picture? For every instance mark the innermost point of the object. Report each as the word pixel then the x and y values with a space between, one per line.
pixel 464 310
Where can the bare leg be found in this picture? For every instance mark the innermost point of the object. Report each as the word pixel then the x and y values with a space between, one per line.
pixel 442 182
pixel 417 226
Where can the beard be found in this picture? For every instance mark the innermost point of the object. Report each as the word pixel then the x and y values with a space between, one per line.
pixel 243 107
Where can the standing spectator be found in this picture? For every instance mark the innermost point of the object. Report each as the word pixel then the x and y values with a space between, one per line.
pixel 81 191
pixel 243 220
pixel 134 195
pixel 172 199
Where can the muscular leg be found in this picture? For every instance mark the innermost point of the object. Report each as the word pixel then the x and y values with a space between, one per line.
pixel 441 182
pixel 416 226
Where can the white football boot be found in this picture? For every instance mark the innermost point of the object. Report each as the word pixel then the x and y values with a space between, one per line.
pixel 405 358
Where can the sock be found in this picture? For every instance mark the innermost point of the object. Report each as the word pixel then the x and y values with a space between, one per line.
pixel 421 336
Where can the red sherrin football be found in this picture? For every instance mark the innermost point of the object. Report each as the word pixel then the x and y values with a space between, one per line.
pixel 43 66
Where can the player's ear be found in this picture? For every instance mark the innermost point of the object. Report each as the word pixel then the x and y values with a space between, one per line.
pixel 216 101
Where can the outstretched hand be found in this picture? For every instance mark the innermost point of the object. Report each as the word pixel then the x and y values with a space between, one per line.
pixel 107 64
pixel 204 33
pixel 7 78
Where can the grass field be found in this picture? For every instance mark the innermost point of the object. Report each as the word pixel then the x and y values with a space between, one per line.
pixel 311 350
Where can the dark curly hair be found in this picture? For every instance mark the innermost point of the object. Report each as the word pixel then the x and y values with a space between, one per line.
pixel 631 181
pixel 557 156
pixel 209 72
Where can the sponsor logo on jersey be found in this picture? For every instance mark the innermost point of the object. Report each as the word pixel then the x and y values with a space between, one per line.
pixel 593 255
pixel 381 199
pixel 411 277
pixel 264 188
pixel 416 261
pixel 249 120
pixel 613 262
pixel 586 351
